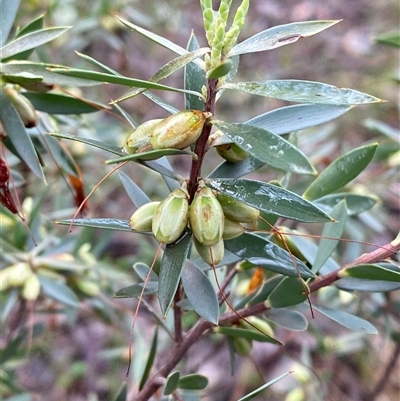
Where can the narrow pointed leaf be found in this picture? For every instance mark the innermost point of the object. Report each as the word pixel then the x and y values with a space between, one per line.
pixel 290 291
pixel 161 102
pixel 265 291
pixel 270 198
pixel 98 64
pixel 347 320
pixel 359 284
pixel 279 36
pixel 265 254
pixel 150 155
pixel 200 292
pixel 390 38
pixel 254 393
pixel 303 92
pixel 121 393
pixel 289 319
pixel 18 136
pixel 267 147
pixel 135 290
pixel 355 203
pixel 333 230
pixel 245 333
pixel 58 291
pixel 193 382
pixel 371 272
pixel 341 171
pixel 150 360
pixel 164 167
pixel 231 74
pixel 9 10
pixel 172 264
pixel 172 383
pixel 135 193
pixel 108 224
pixel 236 170
pixel 142 270
pixel 32 26
pixel 31 40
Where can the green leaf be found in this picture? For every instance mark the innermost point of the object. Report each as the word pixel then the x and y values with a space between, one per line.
pixel 17 134
pixel 265 291
pixel 41 70
pixel 194 78
pixel 390 38
pixel 347 320
pixel 245 333
pixel 98 64
pixel 92 142
pixel 161 102
pixel 172 264
pixel 108 224
pixel 333 230
pixel 267 255
pixel 9 10
pixel 150 359
pixel 289 319
pixel 150 155
pixel 270 198
pixel 31 40
pixel 371 272
pixel 32 26
pixel 279 36
pixel 262 388
pixel 236 170
pixel 355 203
pixel 290 291
pixel 341 171
pixel 298 117
pixel 172 383
pixel 135 290
pixel 121 393
pixel 135 193
pixel 193 382
pixel 116 79
pixel 59 291
pixel 142 270
pixel 200 292
pixel 299 91
pixel 267 147
pixel 59 104
pixel 358 284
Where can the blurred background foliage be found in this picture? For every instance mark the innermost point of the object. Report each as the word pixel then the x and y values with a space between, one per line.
pixel 78 351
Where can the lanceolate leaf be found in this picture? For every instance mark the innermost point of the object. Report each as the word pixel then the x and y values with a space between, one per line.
pixel 303 92
pixel 108 224
pixel 279 36
pixel 150 155
pixel 9 10
pixel 355 203
pixel 341 171
pixel 265 254
pixel 200 292
pixel 135 290
pixel 150 359
pixel 289 319
pixel 236 170
pixel 359 284
pixel 245 333
pixel 267 147
pixel 347 320
pixel 59 291
pixel 138 197
pixel 17 134
pixel 270 199
pixel 332 230
pixel 371 272
pixel 31 40
pixel 172 264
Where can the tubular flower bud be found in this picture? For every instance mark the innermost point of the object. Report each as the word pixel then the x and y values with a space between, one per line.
pixel 142 219
pixel 232 152
pixel 242 346
pixel 236 210
pixel 18 274
pixel 206 217
pixel 31 289
pixel 171 217
pixel 211 254
pixel 24 107
pixel 179 130
pixel 140 138
pixel 232 229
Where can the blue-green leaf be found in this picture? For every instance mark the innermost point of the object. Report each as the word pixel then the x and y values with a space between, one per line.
pixel 135 290
pixel 267 147
pixel 150 155
pixel 58 291
pixel 200 292
pixel 289 319
pixel 121 393
pixel 355 203
pixel 172 264
pixel 265 291
pixel 359 284
pixel 236 170
pixel 290 291
pixel 371 272
pixel 135 193
pixel 108 224
pixel 270 199
pixel 172 383
pixel 150 359
pixel 144 271
pixel 9 10
pixel 193 382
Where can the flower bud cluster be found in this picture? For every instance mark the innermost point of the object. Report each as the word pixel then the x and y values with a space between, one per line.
pixel 177 131
pixel 212 218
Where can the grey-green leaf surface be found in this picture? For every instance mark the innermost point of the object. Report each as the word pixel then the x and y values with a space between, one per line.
pixel 371 272
pixel 200 292
pixel 161 102
pixel 236 170
pixel 9 10
pixel 58 291
pixel 270 199
pixel 280 35
pixel 332 230
pixel 290 291
pixel 265 290
pixel 287 318
pixel 256 392
pixel 265 254
pixel 172 264
pixel 150 155
pixel 121 393
pixel 17 134
pixel 298 91
pixel 31 40
pixel 341 171
pixel 135 193
pixel 267 147
pixel 359 284
pixel 193 382
pixel 172 383
pixel 355 203
pixel 108 224
pixel 245 333
pixel 346 319
pixel 150 359
pixel 135 290
pixel 144 271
